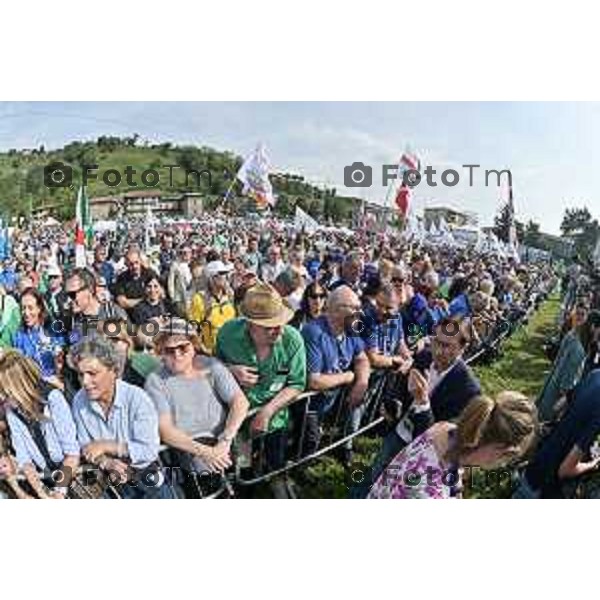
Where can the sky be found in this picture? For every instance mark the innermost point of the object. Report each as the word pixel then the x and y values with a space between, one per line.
pixel 551 148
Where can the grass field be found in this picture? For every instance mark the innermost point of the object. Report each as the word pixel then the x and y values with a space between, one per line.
pixel 522 367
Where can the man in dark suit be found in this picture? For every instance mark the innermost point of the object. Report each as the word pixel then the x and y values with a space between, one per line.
pixel 441 386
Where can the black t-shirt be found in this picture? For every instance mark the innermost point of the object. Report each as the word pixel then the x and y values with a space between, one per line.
pixel 145 311
pixel 130 287
pixel 579 427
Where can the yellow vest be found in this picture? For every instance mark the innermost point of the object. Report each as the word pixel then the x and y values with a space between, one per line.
pixel 212 314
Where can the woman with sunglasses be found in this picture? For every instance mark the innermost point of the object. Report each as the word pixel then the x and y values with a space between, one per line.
pixel 200 404
pixel 36 340
pixel 312 305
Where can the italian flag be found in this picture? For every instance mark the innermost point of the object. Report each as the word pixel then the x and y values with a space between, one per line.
pixel 83 227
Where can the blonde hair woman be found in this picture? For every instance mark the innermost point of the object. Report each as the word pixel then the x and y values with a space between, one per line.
pixel 41 427
pixel 489 433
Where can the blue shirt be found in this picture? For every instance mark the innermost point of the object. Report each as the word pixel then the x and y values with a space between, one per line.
pixel 36 344
pixel 132 420
pixel 326 353
pixel 58 430
pixel 385 337
pixel 8 278
pixel 106 270
pixel 459 306
pixel 418 321
pixel 437 313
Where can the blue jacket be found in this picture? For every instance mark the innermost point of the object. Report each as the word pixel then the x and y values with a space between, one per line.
pixel 449 398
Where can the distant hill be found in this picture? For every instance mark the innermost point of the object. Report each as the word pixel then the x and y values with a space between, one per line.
pixel 22 187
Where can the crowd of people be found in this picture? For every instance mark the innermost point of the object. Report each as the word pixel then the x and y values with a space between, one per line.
pixel 148 368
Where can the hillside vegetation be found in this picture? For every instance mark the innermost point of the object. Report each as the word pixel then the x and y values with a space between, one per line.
pixel 23 190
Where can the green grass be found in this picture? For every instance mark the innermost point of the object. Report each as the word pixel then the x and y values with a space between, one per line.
pixel 522 367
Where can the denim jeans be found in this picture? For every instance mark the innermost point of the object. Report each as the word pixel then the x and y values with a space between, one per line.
pixel 524 491
pixel 318 408
pixel 138 491
pixel 148 484
pixel 271 450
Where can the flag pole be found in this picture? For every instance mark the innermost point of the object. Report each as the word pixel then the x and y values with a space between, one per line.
pixel 228 192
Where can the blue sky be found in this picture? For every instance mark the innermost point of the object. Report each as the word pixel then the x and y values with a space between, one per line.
pixel 552 148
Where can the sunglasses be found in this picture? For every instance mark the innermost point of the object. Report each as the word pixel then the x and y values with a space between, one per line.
pixel 398 280
pixel 179 349
pixel 72 295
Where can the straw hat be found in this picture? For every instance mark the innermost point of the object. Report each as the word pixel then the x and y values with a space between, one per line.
pixel 263 306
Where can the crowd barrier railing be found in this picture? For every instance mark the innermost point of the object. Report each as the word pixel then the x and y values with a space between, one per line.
pixel 336 434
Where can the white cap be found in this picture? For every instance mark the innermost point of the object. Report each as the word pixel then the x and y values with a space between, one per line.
pixel 217 267
pixel 53 271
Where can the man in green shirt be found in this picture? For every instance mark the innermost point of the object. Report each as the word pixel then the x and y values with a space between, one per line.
pixel 268 359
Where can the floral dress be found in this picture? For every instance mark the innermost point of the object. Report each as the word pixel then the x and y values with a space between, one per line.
pixel 417 472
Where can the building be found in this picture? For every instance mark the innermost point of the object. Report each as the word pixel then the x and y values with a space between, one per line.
pixel 137 202
pixel 452 216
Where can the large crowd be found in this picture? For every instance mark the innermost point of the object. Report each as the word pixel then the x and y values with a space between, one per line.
pixel 156 370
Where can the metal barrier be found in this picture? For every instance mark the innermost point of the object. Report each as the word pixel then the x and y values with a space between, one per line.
pixel 371 419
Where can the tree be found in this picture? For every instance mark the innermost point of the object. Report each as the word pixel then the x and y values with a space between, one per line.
pixel 502 223
pixel 531 236
pixel 583 231
pixel 132 141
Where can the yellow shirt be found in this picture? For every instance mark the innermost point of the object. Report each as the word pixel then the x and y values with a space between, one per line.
pixel 212 314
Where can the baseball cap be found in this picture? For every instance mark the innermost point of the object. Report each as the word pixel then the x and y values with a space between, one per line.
pixel 217 267
pixel 53 271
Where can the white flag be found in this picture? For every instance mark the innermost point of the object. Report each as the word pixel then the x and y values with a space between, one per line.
pixel 254 174
pixel 304 221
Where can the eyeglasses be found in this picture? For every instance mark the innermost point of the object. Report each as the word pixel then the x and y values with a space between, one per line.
pixel 73 294
pixel 179 349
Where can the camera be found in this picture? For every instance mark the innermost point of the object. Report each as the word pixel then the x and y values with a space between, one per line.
pixel 358 175
pixel 58 175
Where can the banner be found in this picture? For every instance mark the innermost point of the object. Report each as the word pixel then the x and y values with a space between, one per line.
pixel 254 174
